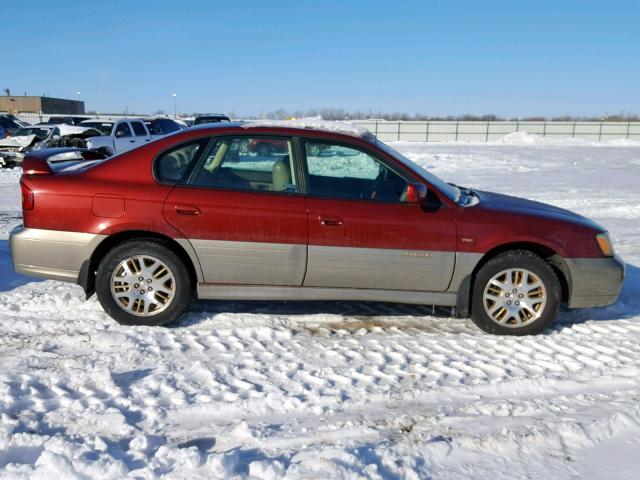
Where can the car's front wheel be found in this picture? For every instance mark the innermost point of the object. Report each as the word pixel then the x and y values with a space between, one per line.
pixel 515 293
pixel 142 282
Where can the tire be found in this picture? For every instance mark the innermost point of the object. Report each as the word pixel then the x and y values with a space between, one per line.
pixel 163 296
pixel 105 151
pixel 515 293
pixel 314 150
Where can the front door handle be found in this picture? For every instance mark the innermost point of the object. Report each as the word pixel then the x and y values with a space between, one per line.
pixel 187 210
pixel 330 221
pixel 132 141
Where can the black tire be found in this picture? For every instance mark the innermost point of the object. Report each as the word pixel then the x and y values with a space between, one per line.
pixel 183 292
pixel 105 151
pixel 516 259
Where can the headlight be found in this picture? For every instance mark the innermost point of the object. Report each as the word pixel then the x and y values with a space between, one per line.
pixel 604 242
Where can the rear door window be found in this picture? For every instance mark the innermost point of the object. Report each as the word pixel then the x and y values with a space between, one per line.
pixel 248 163
pixel 139 129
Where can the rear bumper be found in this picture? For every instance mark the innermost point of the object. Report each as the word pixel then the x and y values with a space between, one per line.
pixel 51 254
pixel 594 282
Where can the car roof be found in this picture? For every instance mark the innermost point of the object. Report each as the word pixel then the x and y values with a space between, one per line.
pixel 291 127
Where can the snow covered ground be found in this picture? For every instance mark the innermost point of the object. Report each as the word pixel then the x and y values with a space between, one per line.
pixel 335 390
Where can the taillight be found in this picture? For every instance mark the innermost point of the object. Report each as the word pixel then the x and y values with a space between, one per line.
pixel 27 197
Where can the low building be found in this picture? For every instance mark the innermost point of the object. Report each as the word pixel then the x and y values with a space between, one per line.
pixel 49 105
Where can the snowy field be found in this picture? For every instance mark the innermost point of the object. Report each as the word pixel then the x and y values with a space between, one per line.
pixel 336 390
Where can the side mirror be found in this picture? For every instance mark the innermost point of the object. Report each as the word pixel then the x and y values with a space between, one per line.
pixel 416 192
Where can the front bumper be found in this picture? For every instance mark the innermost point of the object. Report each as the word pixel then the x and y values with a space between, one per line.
pixel 11 158
pixel 594 282
pixel 53 254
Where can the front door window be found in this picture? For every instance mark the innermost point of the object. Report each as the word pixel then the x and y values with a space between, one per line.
pixel 338 171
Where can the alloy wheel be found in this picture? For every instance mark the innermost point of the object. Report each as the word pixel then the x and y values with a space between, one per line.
pixel 514 297
pixel 143 285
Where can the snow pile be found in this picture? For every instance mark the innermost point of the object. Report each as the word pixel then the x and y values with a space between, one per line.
pixel 314 123
pixel 334 389
pixel 524 138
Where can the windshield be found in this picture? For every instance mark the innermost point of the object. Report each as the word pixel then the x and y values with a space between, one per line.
pixel 452 193
pixel 201 120
pixel 103 127
pixel 39 132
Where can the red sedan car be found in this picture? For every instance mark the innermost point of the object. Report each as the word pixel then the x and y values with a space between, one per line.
pixel 333 214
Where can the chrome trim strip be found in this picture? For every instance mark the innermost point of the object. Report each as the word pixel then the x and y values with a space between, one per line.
pixel 379 268
pixel 251 263
pixel 262 292
pixel 53 254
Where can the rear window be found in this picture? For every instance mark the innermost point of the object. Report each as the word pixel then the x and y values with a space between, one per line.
pixel 103 127
pixel 39 132
pixel 202 120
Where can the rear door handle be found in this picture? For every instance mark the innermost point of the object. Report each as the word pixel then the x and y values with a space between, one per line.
pixel 132 141
pixel 330 221
pixel 187 210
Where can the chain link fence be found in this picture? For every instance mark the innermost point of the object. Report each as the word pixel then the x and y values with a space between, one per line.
pixel 34 118
pixel 451 131
pixel 473 131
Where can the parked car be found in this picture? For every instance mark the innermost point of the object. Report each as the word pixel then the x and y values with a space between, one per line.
pixel 118 136
pixel 9 125
pixel 37 137
pixel 64 120
pixel 267 146
pixel 210 118
pixel 194 214
pixel 159 127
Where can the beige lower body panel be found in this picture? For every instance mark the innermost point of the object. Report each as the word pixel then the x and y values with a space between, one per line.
pixel 51 254
pixel 378 268
pixel 253 292
pixel 251 263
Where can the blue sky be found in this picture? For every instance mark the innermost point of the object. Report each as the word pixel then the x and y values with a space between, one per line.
pixel 436 57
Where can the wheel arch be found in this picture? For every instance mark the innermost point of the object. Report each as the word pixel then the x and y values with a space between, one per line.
pixel 87 276
pixel 465 293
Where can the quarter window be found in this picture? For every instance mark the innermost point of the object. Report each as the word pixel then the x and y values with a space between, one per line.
pixel 173 166
pixel 338 171
pixel 246 163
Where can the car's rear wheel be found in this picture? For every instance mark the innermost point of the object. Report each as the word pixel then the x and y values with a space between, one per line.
pixel 142 282
pixel 515 293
